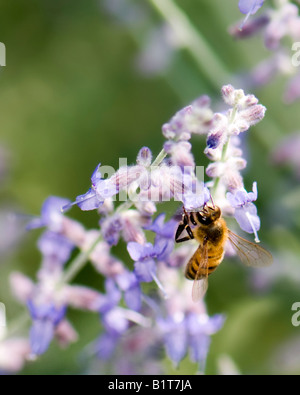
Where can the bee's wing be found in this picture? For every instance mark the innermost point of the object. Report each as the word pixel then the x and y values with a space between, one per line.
pixel 200 284
pixel 250 254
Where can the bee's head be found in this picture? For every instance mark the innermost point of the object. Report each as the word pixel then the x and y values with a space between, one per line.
pixel 209 215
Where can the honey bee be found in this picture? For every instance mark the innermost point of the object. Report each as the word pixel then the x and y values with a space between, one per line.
pixel 211 232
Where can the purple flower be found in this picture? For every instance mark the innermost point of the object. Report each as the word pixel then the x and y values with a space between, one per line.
pixel 145 266
pixel 83 298
pixel 241 197
pixel 249 7
pixel 95 196
pixel 115 322
pixel 129 284
pixel 144 157
pixel 245 210
pixel 55 247
pixel 106 345
pixel 143 254
pixel 189 331
pixel 200 328
pixel 127 224
pixel 285 22
pixel 196 196
pixel 111 228
pixel 180 153
pixel 214 140
pixel 165 234
pixel 175 337
pixel 46 318
pixel 111 298
pixel 51 214
pixel 162 229
pixel 194 119
pixel 178 125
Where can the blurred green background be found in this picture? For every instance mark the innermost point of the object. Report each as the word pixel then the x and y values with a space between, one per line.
pixel 71 97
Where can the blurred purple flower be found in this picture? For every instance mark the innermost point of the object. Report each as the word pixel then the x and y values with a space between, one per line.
pixel 46 318
pixel 250 27
pixel 284 22
pixel 287 152
pixel 115 322
pixel 65 334
pixel 111 298
pixel 22 286
pixel 292 91
pixel 199 329
pixel 157 52
pixel 106 345
pixel 55 247
pixel 13 354
pixel 145 266
pixel 129 284
pixel 189 331
pixel 174 338
pixel 249 7
pixel 12 230
pixel 51 214
pixel 81 297
pixel 115 325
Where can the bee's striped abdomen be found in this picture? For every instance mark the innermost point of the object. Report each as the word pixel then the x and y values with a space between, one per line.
pixel 212 262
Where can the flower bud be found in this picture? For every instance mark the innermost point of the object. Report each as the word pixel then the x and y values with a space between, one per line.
pixel 22 286
pixel 144 157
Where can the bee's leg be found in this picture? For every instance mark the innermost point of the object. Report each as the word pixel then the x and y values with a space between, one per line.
pixel 184 226
pixel 193 219
pixel 186 238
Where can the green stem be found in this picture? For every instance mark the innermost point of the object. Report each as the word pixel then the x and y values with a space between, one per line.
pixel 160 157
pixel 225 149
pixel 78 263
pixel 191 39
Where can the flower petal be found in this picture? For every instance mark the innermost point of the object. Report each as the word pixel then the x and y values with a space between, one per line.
pixel 133 297
pixel 144 270
pixel 96 176
pixel 41 335
pixel 250 6
pixel 88 201
pixel 247 218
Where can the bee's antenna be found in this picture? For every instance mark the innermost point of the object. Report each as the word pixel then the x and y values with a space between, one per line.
pixel 214 206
